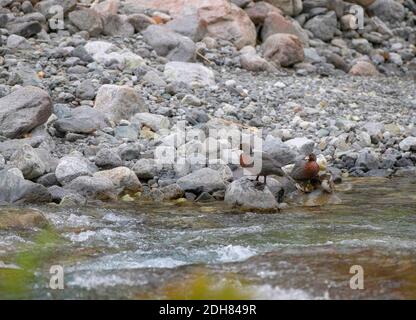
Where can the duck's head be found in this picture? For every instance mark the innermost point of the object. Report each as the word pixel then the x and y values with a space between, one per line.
pixel 312 157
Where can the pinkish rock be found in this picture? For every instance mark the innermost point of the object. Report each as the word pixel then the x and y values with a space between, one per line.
pixel 284 49
pixel 222 19
pixel 363 68
pixel 258 11
pixel 277 23
pixel 229 22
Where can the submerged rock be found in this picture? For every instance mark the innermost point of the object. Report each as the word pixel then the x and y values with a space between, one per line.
pixel 316 198
pixel 21 219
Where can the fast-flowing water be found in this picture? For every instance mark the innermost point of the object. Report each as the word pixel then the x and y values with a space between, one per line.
pixel 147 251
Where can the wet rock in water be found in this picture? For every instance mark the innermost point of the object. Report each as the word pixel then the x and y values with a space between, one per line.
pixel 29 162
pixel 23 110
pixel 316 198
pixel 100 188
pixel 172 192
pixel 187 73
pixel 283 49
pixel 58 193
pixel 123 179
pixel 169 44
pixel 119 102
pixel 205 179
pixel 250 194
pixel 15 189
pixel 83 119
pixel 21 219
pixel 73 166
pixel 87 20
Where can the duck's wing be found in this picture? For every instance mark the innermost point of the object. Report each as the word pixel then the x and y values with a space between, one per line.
pixel 298 171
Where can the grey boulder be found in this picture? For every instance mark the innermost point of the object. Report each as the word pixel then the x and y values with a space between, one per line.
pixel 169 44
pixel 15 189
pixel 202 180
pixel 246 194
pixel 23 110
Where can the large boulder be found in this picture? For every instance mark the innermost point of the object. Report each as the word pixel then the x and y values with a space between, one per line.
pixel 221 18
pixel 363 68
pixel 73 166
pixel 387 10
pixel 229 22
pixel 23 110
pixel 277 23
pixel 248 194
pixel 302 145
pixel 87 20
pixel 117 25
pixel 119 102
pixel 289 7
pixel 189 25
pixel 15 189
pixel 283 49
pixel 258 11
pixel 101 188
pixel 83 119
pixel 29 162
pixel 278 150
pixel 193 74
pixel 45 6
pixel 323 26
pixel 169 44
pixel 146 168
pixel 123 179
pixel 202 180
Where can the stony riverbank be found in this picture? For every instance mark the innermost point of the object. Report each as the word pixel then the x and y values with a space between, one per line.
pixel 83 110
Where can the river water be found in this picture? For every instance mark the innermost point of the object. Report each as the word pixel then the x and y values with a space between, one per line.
pixel 138 251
